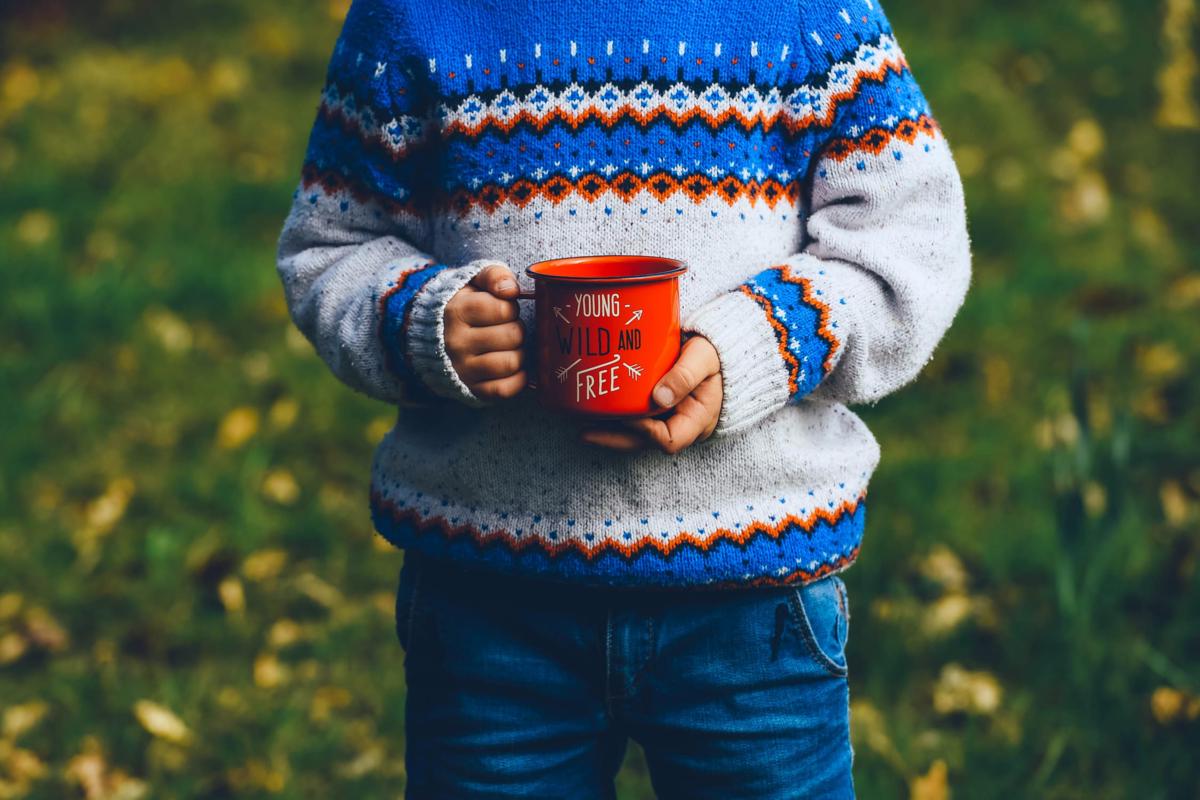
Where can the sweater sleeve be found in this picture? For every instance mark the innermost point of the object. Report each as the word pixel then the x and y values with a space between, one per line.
pixel 885 260
pixel 357 279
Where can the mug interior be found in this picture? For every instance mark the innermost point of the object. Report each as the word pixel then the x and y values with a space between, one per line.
pixel 586 269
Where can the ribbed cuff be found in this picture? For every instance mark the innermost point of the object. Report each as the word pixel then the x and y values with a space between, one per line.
pixel 753 375
pixel 425 337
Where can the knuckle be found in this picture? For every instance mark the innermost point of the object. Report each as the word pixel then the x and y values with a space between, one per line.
pixel 685 377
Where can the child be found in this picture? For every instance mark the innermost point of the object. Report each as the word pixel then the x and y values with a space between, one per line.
pixel 670 578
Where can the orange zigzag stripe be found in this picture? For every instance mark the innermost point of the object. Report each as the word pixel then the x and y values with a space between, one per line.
pixel 626 186
pixel 790 579
pixel 628 551
pixel 590 187
pixel 875 140
pixel 611 118
pixel 781 337
pixel 824 329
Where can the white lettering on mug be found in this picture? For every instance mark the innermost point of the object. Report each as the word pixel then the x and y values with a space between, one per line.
pixel 607 304
pixel 598 380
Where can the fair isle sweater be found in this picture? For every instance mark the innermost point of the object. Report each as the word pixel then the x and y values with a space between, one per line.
pixel 783 150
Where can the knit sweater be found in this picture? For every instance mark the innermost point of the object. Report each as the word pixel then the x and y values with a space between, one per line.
pixel 783 150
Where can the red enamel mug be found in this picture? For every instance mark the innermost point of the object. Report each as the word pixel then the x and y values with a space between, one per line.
pixel 606 331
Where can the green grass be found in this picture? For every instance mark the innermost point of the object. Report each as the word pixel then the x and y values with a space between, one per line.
pixel 183 505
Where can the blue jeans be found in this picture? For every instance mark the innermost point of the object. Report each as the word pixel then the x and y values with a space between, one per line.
pixel 523 688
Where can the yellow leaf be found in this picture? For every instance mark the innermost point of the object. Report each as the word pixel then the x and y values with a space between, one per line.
pixel 1095 499
pixel 326 700
pixel 19 86
pixel 283 413
pixel 379 428
pixel 1086 139
pixel 1159 360
pixel 237 427
pixel 959 689
pixel 24 766
pixel 945 614
pixel 160 721
pixel 20 719
pixel 943 566
pixel 1184 291
pixel 932 785
pixel 280 485
pixel 10 604
pixel 228 78
pixel 36 227
pixel 90 771
pixel 1175 503
pixel 1169 704
pixel 268 672
pixel 264 564
pixel 318 590
pixel 869 729
pixel 364 763
pixel 257 774
pixel 44 630
pixel 232 595
pixel 285 632
pixel 1087 201
pixel 106 510
pixel 173 333
pixel 12 646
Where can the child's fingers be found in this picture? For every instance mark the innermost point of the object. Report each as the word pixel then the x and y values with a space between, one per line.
pixel 478 308
pixel 501 388
pixel 624 441
pixel 697 361
pixel 710 394
pixel 694 418
pixel 489 366
pixel 492 338
pixel 497 279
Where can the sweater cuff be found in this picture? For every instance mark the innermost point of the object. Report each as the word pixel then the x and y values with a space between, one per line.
pixel 753 375
pixel 424 333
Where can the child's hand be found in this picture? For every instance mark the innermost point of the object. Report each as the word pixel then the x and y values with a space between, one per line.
pixel 483 334
pixel 692 388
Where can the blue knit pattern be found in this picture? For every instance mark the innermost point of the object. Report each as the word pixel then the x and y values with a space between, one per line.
pixel 803 326
pixel 602 115
pixel 794 553
pixel 397 304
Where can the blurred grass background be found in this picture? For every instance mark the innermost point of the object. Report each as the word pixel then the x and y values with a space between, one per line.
pixel 193 604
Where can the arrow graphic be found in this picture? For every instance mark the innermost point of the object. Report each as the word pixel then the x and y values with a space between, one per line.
pixel 558 313
pixel 562 372
pixel 635 316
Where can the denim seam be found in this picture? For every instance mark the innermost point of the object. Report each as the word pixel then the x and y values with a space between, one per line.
pixel 647 638
pixel 608 662
pixel 800 615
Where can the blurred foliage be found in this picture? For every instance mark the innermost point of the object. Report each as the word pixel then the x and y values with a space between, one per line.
pixel 192 602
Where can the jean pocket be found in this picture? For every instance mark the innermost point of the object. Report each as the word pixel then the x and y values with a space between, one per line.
pixel 820 611
pixel 407 594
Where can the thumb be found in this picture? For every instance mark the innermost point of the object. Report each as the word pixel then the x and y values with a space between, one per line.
pixel 698 360
pixel 497 280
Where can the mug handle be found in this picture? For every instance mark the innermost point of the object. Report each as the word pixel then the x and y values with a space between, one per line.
pixel 522 294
